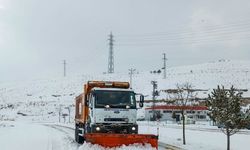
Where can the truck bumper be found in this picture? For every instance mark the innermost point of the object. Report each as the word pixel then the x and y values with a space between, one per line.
pixel 115 128
pixel 114 140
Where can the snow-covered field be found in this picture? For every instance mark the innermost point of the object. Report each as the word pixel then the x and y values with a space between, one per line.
pixel 197 136
pixel 26 105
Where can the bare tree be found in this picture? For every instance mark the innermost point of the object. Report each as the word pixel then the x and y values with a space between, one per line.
pixel 182 96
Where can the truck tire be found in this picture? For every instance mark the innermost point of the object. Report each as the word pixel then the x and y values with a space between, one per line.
pixel 76 133
pixel 79 139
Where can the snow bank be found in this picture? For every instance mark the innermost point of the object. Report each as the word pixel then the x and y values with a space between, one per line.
pixel 130 147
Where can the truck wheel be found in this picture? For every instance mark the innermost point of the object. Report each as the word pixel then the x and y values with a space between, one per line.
pixel 79 139
pixel 76 133
pixel 76 137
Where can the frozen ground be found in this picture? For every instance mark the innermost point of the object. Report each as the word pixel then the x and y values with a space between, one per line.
pixel 29 136
pixel 39 101
pixel 51 136
pixel 16 135
pixel 198 137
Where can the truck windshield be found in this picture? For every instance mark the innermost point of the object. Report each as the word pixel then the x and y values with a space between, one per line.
pixel 115 99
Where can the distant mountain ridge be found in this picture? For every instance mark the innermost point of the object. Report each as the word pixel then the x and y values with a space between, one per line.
pixel 201 76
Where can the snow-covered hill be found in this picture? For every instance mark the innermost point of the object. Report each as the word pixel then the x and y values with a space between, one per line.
pixel 44 97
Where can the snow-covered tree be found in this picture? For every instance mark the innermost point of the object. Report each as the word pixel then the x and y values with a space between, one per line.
pixel 225 109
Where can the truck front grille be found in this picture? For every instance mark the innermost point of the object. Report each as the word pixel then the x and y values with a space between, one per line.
pixel 116 119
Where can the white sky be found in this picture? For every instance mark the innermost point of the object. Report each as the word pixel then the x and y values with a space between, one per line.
pixel 36 35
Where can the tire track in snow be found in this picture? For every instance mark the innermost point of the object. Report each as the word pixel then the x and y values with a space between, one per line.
pixel 60 128
pixel 68 138
pixel 162 146
pixel 52 143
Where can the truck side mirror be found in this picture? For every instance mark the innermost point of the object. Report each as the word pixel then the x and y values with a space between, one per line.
pixel 141 104
pixel 141 100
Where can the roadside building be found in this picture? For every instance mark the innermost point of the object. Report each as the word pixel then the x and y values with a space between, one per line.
pixel 171 112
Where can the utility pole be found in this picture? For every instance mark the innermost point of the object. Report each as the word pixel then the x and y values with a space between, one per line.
pixel 68 111
pixel 111 54
pixel 164 65
pixel 60 109
pixel 131 72
pixel 64 68
pixel 246 79
pixel 154 94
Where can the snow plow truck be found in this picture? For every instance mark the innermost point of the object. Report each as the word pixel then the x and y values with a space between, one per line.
pixel 105 114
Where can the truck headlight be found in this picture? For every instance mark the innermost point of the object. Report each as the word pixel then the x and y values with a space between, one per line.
pixel 133 128
pixel 97 128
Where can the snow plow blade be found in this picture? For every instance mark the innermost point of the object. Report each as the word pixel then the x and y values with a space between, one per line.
pixel 115 140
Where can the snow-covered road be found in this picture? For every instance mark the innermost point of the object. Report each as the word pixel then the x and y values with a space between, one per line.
pixel 30 136
pixel 33 136
pixel 70 132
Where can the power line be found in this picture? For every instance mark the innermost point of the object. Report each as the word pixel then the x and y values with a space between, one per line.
pixel 190 35
pixel 185 41
pixel 236 30
pixel 199 34
pixel 188 29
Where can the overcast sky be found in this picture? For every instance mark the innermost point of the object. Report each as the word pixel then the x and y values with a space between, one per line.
pixel 36 35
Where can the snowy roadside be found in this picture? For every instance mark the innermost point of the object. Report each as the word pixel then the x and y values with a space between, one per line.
pixel 202 137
